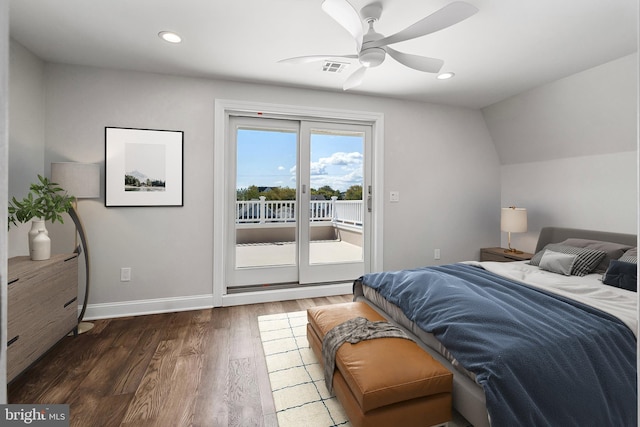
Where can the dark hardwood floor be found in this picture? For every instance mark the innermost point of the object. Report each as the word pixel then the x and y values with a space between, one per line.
pixel 195 368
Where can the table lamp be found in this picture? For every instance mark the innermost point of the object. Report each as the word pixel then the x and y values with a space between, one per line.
pixel 513 220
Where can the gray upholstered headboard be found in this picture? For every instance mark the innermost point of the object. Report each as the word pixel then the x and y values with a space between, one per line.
pixel 558 234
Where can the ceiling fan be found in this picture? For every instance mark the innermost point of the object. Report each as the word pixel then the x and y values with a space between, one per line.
pixel 373 47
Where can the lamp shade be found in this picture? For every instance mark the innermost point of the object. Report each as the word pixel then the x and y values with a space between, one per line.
pixel 513 220
pixel 81 180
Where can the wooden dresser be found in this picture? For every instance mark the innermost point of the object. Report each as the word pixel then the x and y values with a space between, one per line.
pixel 42 307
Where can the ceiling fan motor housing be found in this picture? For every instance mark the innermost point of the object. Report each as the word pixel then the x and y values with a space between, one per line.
pixel 372 56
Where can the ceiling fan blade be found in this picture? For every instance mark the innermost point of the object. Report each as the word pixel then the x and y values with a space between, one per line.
pixel 345 15
pixel 313 58
pixel 355 79
pixel 420 63
pixel 443 18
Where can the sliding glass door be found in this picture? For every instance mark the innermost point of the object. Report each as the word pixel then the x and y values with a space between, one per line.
pixel 297 208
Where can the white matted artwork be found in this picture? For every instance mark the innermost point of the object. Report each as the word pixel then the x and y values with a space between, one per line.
pixel 144 167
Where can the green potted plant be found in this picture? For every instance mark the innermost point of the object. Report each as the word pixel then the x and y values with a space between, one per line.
pixel 46 201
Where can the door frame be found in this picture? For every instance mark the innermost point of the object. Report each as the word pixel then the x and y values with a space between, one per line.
pixel 223 110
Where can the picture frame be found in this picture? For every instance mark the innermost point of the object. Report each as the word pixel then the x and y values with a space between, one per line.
pixel 143 167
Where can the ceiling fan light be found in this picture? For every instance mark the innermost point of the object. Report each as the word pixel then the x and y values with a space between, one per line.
pixel 372 57
pixel 445 76
pixel 170 36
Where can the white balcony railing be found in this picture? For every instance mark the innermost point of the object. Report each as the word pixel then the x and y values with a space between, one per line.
pixel 284 211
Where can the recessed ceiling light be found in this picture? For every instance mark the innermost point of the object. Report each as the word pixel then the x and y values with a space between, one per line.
pixel 170 36
pixel 445 76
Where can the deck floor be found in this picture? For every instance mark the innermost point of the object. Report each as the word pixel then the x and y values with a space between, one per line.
pixel 284 253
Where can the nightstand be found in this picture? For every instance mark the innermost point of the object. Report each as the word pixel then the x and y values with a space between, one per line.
pixel 499 255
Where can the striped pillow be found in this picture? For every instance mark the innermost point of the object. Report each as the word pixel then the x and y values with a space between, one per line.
pixel 611 250
pixel 586 262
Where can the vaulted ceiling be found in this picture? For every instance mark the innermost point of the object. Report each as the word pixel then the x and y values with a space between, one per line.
pixel 506 48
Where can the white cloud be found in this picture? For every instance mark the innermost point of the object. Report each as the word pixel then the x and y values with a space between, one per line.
pixel 341 158
pixel 339 171
pixel 348 161
pixel 318 169
pixel 337 182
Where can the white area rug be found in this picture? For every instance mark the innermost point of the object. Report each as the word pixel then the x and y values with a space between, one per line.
pixel 297 382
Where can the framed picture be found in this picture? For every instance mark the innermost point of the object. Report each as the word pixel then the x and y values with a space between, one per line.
pixel 143 167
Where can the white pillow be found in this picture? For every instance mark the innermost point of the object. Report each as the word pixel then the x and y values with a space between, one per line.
pixel 557 262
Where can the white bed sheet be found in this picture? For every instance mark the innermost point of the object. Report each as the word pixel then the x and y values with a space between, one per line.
pixel 588 289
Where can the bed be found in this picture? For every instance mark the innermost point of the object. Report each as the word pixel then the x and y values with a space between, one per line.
pixel 543 344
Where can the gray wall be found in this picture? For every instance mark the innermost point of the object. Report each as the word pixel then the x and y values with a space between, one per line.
pixel 440 158
pixel 589 113
pixel 569 151
pixel 26 137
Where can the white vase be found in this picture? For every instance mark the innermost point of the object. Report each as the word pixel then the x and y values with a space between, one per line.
pixel 41 246
pixel 36 226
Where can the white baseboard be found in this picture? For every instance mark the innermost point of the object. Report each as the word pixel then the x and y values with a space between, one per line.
pixel 199 302
pixel 149 306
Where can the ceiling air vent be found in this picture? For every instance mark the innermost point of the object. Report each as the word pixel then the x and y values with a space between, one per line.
pixel 334 67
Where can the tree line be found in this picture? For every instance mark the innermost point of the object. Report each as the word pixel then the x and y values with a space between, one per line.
pixel 132 181
pixel 285 193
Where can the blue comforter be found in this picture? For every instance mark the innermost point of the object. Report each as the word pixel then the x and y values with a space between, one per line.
pixel 542 360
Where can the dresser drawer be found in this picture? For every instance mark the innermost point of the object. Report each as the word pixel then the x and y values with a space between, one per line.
pixel 42 307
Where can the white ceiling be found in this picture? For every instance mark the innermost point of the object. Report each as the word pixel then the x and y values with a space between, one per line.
pixel 509 46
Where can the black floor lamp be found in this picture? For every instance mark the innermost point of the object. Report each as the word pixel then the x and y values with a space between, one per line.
pixel 81 180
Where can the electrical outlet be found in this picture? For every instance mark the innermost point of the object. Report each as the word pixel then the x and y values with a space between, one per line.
pixel 436 254
pixel 125 274
pixel 394 196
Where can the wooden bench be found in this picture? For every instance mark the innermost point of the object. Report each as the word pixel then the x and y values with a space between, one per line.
pixel 382 381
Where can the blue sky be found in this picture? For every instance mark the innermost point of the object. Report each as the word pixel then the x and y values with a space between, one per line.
pixel 268 158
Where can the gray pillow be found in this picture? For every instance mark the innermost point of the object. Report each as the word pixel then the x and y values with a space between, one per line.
pixel 612 250
pixel 586 261
pixel 630 256
pixel 557 262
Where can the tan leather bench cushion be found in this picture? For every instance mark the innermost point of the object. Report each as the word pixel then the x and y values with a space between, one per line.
pixel 380 371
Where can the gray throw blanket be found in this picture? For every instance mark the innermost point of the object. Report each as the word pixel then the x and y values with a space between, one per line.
pixel 353 331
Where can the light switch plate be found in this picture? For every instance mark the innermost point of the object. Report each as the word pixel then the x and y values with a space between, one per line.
pixel 125 274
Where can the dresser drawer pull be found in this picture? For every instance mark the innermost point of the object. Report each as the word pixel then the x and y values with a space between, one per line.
pixel 12 340
pixel 70 302
pixel 70 258
pixel 13 281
